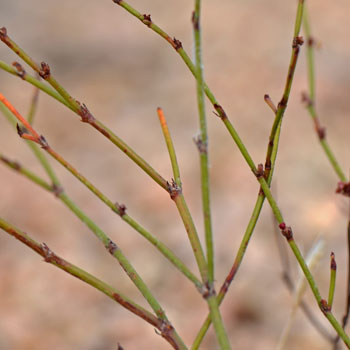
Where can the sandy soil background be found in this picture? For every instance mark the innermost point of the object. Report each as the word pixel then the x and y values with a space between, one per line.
pixel 123 72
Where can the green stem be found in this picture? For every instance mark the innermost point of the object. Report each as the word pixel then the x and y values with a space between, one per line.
pixel 57 189
pixel 108 243
pixel 297 42
pixel 35 82
pixel 278 215
pixel 202 144
pixel 178 198
pixel 33 106
pixel 309 54
pixel 218 323
pixel 178 47
pixel 332 281
pixel 42 249
pixel 311 101
pixel 170 146
pixel 202 141
pixel 241 251
pixel 27 173
pixel 45 72
pixel 120 210
pixel 180 202
pixel 321 302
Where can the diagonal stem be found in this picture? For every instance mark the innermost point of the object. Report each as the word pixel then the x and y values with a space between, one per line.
pixel 45 72
pixel 57 189
pixel 49 256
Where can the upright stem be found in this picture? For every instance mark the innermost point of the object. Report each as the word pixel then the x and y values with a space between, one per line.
pixel 202 141
pixel 297 42
pixel 202 144
pixel 310 100
pixel 240 253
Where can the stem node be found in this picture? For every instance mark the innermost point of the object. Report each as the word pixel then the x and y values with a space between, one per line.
pixel 20 70
pixel 44 71
pixel 174 189
pixel 177 44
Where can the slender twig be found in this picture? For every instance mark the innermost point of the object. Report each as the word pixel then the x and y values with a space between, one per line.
pixel 202 145
pixel 297 42
pixel 347 302
pixel 347 309
pixel 260 174
pixel 332 281
pixel 49 256
pixel 27 173
pixel 33 106
pixel 45 72
pixel 120 209
pixel 322 303
pixel 86 116
pixel 113 249
pixel 240 253
pixel 170 146
pixel 308 312
pixel 286 277
pixel 21 73
pixel 313 258
pixel 310 101
pixel 202 140
pixel 179 200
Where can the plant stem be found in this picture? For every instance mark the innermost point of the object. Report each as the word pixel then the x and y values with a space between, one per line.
pixel 57 189
pixel 202 144
pixel 178 198
pixel 178 47
pixel 321 302
pixel 113 249
pixel 27 173
pixel 332 281
pixel 33 106
pixel 80 109
pixel 278 215
pixel 241 251
pixel 88 118
pixel 202 141
pixel 309 55
pixel 310 100
pixel 297 42
pixel 42 249
pixel 35 82
pixel 170 146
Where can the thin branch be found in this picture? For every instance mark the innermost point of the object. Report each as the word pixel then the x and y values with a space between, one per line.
pixel 281 108
pixel 86 116
pixel 309 100
pixel 202 145
pixel 57 189
pixel 112 248
pixel 170 146
pixel 45 72
pixel 332 281
pixel 286 277
pixel 33 106
pixel 27 173
pixel 240 253
pixel 166 331
pixel 202 140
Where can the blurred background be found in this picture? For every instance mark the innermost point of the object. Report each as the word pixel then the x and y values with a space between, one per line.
pixel 123 71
